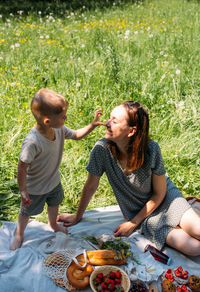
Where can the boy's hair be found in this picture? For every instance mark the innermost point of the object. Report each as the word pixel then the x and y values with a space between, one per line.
pixel 48 103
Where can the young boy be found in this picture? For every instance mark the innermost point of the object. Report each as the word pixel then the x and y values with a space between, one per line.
pixel 40 157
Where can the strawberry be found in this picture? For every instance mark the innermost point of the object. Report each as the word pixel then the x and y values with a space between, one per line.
pixel 118 274
pixel 177 273
pixel 180 269
pixel 118 281
pixel 103 285
pixel 112 275
pixel 99 275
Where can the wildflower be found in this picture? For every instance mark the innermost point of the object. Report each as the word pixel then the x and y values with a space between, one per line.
pixel 151 35
pixel 17 45
pixel 127 32
pixel 39 12
pixel 136 32
pixel 78 84
pixel 178 72
pixel 180 105
pixel 83 46
pixel 12 46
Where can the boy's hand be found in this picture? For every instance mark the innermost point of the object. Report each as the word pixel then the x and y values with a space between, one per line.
pixel 25 200
pixel 96 121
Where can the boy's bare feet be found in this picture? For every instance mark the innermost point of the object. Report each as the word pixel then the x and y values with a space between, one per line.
pixel 60 228
pixel 16 243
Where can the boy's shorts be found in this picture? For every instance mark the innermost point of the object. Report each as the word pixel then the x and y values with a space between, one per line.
pixel 53 198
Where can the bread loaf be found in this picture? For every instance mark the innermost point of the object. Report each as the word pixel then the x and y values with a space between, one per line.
pixel 102 257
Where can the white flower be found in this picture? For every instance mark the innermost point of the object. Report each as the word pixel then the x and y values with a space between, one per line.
pixel 180 105
pixel 178 72
pixel 127 32
pixel 47 36
pixel 20 12
pixel 12 46
pixel 0 16
pixel 13 83
pixel 161 52
pixel 17 45
pixel 39 12
pixel 148 28
pixel 41 37
pixel 165 55
pixel 83 46
pixel 136 32
pixel 78 84
pixel 151 35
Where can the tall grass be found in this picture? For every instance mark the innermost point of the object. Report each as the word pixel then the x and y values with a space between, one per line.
pixel 98 55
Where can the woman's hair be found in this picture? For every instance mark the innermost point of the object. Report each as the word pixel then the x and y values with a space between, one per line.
pixel 47 102
pixel 138 144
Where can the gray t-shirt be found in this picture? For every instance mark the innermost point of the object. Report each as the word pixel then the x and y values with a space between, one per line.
pixel 44 157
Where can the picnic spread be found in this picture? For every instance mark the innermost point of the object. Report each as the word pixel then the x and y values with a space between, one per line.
pixel 90 258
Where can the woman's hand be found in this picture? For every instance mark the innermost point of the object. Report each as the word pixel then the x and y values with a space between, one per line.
pixel 68 219
pixel 124 229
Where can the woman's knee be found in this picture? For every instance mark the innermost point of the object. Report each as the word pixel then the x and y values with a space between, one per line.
pixel 180 240
pixel 190 223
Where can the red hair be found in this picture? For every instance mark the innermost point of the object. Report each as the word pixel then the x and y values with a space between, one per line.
pixel 138 144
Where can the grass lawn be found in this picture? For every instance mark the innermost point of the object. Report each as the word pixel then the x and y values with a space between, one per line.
pixel 98 54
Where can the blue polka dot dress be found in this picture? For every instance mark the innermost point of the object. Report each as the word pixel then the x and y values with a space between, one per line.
pixel 134 190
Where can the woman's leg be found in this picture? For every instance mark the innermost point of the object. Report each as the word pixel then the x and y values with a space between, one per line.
pixel 180 240
pixel 186 238
pixel 190 223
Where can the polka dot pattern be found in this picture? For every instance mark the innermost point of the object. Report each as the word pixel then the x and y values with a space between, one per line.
pixel 134 190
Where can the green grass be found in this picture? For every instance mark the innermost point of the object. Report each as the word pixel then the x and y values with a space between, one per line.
pixel 97 55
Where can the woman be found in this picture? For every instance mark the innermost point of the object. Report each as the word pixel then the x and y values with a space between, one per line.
pixel 148 199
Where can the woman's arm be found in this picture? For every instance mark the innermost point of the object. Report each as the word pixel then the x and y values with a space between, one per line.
pixel 159 191
pixel 89 189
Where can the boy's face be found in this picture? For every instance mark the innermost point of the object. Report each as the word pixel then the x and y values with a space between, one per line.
pixel 58 121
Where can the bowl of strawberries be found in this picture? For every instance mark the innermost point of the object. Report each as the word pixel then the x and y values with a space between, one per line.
pixel 109 278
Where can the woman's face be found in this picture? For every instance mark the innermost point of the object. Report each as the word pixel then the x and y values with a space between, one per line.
pixel 117 126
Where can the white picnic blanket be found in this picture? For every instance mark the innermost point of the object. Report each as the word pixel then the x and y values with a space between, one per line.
pixel 22 270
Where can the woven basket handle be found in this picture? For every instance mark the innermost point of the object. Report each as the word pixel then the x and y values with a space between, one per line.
pixel 85 260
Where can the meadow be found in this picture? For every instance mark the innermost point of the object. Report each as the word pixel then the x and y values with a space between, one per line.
pixel 98 54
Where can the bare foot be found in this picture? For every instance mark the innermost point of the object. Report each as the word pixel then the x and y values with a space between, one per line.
pixel 16 243
pixel 60 228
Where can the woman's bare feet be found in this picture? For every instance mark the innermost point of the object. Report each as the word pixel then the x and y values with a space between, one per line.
pixel 16 243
